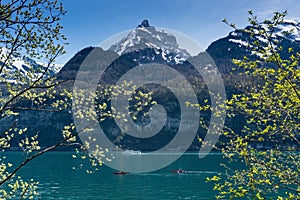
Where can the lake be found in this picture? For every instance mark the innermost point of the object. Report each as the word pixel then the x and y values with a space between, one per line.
pixel 59 181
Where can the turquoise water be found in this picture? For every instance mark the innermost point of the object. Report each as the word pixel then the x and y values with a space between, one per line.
pixel 58 181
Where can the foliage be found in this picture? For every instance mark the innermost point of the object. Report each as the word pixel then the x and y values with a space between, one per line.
pixel 266 150
pixel 29 30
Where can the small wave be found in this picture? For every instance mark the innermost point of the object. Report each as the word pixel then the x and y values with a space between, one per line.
pixel 172 174
pixel 153 174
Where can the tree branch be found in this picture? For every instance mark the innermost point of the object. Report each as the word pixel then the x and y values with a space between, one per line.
pixel 36 155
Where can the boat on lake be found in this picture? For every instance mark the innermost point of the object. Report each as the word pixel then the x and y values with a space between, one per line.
pixel 179 171
pixel 120 173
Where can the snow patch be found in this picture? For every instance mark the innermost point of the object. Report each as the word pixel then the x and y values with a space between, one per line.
pixel 243 43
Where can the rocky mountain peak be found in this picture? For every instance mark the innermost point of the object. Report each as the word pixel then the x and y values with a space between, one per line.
pixel 146 36
pixel 144 24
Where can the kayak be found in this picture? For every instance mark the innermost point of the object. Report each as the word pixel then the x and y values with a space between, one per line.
pixel 120 173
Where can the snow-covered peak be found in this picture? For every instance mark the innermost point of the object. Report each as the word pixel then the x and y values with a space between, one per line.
pixel 17 64
pixel 146 36
pixel 286 32
pixel 287 29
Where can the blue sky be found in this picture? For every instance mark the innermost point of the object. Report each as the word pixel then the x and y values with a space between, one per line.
pixel 90 22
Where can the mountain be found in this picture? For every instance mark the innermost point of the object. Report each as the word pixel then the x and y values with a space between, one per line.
pixel 146 36
pixel 146 44
pixel 235 44
pixel 23 65
pixel 143 45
